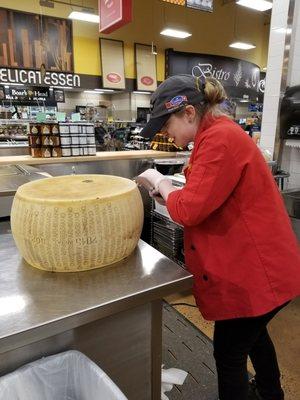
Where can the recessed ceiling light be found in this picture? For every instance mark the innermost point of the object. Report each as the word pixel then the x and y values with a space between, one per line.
pixel 259 5
pixel 242 46
pixel 175 33
pixel 84 16
pixel 264 68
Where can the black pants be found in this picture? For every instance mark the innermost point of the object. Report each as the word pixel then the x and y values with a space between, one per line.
pixel 234 340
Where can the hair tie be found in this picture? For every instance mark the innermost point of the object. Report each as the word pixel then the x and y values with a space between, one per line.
pixel 202 87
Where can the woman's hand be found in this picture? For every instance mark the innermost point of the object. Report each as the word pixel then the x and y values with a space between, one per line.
pixel 159 199
pixel 157 184
pixel 150 179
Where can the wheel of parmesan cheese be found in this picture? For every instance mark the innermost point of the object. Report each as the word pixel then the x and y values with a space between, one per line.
pixel 76 222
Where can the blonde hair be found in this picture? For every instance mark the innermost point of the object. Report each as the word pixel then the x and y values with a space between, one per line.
pixel 214 95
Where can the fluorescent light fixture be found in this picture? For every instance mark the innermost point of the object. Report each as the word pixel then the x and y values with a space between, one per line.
pixel 14 84
pixel 138 92
pixel 175 33
pixel 84 16
pixel 105 90
pixel 242 46
pixel 244 101
pixel 92 91
pixel 258 5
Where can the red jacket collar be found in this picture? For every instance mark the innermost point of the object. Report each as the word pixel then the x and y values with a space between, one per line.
pixel 208 120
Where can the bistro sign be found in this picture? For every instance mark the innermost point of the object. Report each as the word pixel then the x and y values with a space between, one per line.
pixel 35 77
pixel 239 77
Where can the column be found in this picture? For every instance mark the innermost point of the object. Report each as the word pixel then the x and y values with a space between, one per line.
pixel 291 155
pixel 275 71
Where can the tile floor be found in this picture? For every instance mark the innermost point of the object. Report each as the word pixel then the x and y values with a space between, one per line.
pixel 284 330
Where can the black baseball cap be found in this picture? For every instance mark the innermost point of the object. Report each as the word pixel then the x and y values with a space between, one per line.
pixel 172 95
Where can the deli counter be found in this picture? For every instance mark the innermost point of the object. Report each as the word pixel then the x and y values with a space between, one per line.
pixel 112 314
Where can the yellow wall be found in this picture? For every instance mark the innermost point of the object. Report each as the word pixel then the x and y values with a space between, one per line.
pixel 211 32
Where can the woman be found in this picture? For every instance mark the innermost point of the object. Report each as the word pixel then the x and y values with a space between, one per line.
pixel 239 244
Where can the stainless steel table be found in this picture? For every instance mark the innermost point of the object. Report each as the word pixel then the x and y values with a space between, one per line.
pixel 112 314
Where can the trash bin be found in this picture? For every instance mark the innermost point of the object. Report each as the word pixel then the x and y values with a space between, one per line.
pixel 64 376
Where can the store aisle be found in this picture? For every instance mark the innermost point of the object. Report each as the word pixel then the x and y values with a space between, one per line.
pixel 284 330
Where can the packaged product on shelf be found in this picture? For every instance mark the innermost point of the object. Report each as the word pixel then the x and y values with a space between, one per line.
pixel 66 151
pixel 91 139
pixel 65 140
pixel 56 152
pixel 75 150
pixel 74 128
pixel 46 141
pixel 91 150
pixel 54 141
pixel 34 140
pixel 34 129
pixel 86 151
pixel 82 140
pixel 46 152
pixel 74 139
pixel 63 128
pixel 54 129
pixel 45 129
pixel 90 129
pixel 36 152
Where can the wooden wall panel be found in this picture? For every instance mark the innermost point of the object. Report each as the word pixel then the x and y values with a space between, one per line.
pixel 28 40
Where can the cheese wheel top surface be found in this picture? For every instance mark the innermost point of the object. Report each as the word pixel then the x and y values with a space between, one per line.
pixel 76 188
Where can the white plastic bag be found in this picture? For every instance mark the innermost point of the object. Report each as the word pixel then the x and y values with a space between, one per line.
pixel 65 376
pixel 169 378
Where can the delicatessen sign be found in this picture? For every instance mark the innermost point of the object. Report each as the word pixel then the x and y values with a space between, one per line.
pixel 35 77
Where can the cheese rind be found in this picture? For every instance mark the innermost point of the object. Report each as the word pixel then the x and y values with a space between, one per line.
pixel 78 222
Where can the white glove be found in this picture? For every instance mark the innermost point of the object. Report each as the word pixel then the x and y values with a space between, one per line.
pixel 150 179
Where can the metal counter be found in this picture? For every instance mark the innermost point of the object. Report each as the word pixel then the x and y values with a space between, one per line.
pixel 112 314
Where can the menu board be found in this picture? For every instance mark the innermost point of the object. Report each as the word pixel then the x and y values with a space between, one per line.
pixel 145 67
pixel 112 60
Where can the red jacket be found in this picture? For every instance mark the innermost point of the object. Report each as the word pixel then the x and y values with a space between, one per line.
pixel 239 244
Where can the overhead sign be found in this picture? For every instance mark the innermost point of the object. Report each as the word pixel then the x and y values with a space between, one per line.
pixel 114 14
pixel 34 77
pixel 202 5
pixel 262 82
pixel 145 62
pixel 237 76
pixel 28 94
pixel 176 2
